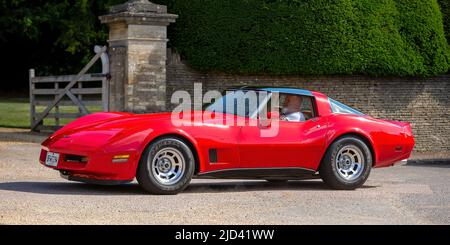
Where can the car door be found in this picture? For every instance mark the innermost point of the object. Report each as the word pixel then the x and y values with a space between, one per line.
pixel 297 144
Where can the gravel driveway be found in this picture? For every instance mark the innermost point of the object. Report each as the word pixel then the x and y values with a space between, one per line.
pixel 33 194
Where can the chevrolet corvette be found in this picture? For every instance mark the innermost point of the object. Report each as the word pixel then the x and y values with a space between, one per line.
pixel 319 138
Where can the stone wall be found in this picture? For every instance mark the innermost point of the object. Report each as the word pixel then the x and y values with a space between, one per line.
pixel 425 102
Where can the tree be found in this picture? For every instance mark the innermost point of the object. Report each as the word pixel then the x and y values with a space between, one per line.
pixel 54 36
pixel 375 37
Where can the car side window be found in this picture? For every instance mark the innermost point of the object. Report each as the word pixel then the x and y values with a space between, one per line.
pixel 338 107
pixel 307 107
pixel 296 108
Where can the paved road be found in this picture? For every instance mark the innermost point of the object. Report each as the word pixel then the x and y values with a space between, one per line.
pixel 32 194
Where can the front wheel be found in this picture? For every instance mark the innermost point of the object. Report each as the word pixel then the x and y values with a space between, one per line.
pixel 347 164
pixel 166 167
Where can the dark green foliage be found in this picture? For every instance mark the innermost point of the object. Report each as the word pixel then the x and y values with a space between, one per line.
pixel 445 8
pixel 53 36
pixel 378 37
pixel 375 37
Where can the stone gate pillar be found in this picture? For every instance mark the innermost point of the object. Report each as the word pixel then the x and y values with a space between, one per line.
pixel 137 49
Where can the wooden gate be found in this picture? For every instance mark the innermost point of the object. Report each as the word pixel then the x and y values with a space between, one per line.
pixel 69 96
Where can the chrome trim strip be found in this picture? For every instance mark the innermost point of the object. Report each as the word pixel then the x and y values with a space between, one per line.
pixel 243 169
pixel 260 173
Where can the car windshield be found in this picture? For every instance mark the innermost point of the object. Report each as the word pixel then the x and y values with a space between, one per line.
pixel 338 107
pixel 244 103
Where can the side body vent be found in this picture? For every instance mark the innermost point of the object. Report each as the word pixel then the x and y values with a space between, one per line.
pixel 213 155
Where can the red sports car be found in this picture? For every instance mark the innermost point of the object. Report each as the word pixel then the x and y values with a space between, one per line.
pixel 308 135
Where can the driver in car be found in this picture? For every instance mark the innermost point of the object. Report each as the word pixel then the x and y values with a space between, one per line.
pixel 291 109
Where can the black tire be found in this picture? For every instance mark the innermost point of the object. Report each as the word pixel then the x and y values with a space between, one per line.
pixel 147 179
pixel 329 171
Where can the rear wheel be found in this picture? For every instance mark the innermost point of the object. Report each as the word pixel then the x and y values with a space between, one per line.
pixel 347 164
pixel 166 167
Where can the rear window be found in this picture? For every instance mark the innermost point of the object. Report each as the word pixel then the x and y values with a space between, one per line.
pixel 338 107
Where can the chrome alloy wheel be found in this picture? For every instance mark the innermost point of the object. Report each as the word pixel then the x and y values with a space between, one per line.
pixel 168 166
pixel 350 162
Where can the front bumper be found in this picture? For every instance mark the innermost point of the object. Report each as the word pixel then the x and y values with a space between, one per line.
pixel 98 168
pixel 66 175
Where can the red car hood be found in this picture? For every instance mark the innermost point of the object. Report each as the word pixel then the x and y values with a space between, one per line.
pixel 98 129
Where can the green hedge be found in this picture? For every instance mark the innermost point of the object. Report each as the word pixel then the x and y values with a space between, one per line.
pixel 374 37
pixel 445 7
